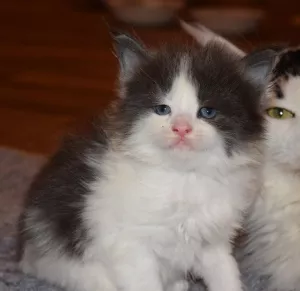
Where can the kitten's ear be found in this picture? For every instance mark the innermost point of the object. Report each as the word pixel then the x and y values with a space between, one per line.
pixel 129 52
pixel 259 66
pixel 203 36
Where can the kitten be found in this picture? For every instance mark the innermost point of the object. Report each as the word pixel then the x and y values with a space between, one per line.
pixel 160 185
pixel 269 253
pixel 271 249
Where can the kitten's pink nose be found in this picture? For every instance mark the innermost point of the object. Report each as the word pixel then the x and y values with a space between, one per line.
pixel 182 128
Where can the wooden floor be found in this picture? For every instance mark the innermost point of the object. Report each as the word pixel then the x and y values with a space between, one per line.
pixel 57 66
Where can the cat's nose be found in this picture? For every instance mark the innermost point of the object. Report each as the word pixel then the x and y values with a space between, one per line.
pixel 182 129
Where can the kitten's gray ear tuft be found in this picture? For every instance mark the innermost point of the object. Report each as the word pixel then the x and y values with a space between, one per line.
pixel 129 51
pixel 204 36
pixel 259 66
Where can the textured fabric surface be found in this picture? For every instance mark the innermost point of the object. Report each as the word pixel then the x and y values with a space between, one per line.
pixel 17 170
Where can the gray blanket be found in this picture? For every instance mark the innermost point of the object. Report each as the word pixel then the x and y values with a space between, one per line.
pixel 16 172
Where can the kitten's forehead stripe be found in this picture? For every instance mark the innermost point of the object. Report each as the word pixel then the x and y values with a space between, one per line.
pixel 183 94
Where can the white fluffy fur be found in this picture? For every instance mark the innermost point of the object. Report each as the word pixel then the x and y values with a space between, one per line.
pixel 275 222
pixel 156 213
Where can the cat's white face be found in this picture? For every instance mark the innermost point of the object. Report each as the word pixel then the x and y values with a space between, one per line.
pixel 189 105
pixel 179 124
pixel 284 125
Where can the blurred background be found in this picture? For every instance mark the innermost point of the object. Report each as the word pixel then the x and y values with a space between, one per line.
pixel 57 67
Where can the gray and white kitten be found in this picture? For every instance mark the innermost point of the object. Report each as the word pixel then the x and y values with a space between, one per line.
pixel 161 183
pixel 269 255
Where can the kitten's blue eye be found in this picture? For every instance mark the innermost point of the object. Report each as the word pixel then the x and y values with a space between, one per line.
pixel 162 109
pixel 207 112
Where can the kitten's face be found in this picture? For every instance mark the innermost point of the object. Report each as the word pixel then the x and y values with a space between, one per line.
pixel 283 117
pixel 190 111
pixel 179 121
pixel 188 102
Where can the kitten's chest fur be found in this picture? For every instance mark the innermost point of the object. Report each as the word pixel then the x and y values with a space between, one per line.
pixel 279 203
pixel 174 212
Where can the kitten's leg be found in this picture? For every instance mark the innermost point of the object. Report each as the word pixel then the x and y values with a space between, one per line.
pixel 71 274
pixel 173 279
pixel 219 269
pixel 136 268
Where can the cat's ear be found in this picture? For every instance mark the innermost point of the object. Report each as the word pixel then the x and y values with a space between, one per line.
pixel 259 65
pixel 204 36
pixel 129 51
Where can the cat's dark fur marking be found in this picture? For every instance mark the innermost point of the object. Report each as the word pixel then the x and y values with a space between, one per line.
pixel 288 65
pixel 60 187
pixel 277 91
pixel 235 125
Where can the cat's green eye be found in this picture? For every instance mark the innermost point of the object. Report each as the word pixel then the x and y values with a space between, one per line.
pixel 280 113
